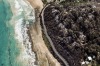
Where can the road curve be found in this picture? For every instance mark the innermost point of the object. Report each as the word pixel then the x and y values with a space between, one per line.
pixel 49 39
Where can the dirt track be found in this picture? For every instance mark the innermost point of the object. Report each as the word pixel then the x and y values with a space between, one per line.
pixel 44 57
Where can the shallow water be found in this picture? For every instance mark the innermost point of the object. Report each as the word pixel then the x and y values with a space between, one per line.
pixel 8 48
pixel 15 48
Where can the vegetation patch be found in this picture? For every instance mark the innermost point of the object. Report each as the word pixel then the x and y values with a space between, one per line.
pixel 75 32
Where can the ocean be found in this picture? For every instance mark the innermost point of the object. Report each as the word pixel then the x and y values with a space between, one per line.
pixel 9 50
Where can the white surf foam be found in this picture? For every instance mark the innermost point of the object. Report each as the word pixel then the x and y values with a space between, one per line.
pixel 27 56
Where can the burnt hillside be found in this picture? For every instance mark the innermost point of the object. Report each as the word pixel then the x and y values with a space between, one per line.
pixel 75 32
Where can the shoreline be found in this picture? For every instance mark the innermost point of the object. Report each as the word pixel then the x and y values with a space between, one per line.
pixel 26 56
pixel 40 49
pixel 30 40
pixel 44 56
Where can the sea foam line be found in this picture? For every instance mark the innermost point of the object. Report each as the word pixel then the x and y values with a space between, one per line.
pixel 26 54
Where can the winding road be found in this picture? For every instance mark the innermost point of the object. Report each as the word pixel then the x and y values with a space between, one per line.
pixel 49 39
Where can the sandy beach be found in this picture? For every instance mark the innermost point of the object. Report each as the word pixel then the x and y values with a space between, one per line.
pixel 33 51
pixel 45 58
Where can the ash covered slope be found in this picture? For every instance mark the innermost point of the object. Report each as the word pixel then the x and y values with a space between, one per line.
pixel 75 32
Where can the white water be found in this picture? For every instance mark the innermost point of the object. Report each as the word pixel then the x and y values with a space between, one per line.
pixel 23 14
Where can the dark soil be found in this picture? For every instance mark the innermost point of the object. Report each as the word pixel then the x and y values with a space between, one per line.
pixel 75 32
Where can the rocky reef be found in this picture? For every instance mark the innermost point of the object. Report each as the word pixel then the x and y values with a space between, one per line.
pixel 75 32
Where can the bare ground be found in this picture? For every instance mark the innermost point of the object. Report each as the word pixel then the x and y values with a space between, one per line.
pixel 44 57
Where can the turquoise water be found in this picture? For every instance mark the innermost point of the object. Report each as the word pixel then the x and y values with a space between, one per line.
pixel 8 48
